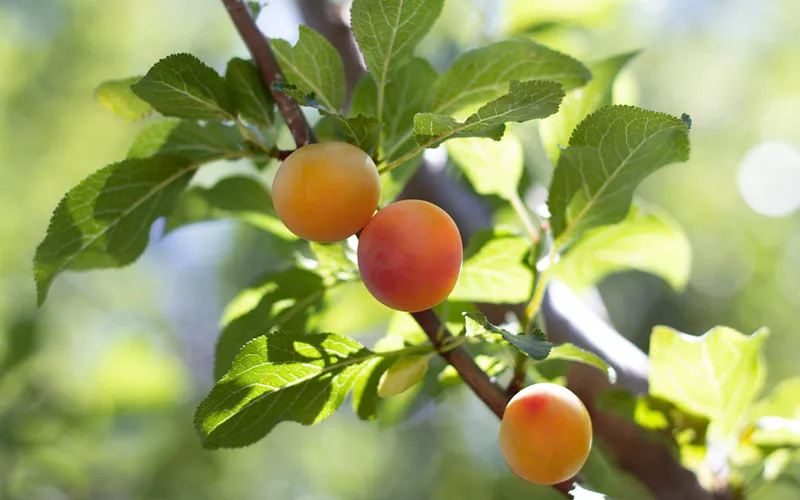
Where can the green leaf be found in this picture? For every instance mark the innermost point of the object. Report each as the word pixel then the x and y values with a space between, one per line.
pixel 656 414
pixel 388 31
pixel 365 392
pixel 105 220
pixel 277 378
pixel 406 95
pixel 361 131
pixel 403 374
pixel 188 139
pixel 239 197
pixel 334 261
pixel 571 352
pixel 555 130
pixel 648 240
pixel 494 271
pixel 314 66
pixel 533 344
pixel 181 85
pixel 525 101
pixel 364 98
pixel 282 300
pixel 253 100
pixel 117 97
pixel 492 167
pixel 483 74
pixel 609 154
pixel 716 375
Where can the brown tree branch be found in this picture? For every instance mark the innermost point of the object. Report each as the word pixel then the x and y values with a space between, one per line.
pixel 259 48
pixel 491 394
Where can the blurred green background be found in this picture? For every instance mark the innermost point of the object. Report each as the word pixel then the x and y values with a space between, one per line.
pixel 98 387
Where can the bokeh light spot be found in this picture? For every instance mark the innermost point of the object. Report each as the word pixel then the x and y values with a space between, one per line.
pixel 769 179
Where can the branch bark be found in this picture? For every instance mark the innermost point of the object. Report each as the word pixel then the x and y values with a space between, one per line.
pixel 267 65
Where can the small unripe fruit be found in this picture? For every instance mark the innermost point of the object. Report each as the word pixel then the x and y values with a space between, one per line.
pixel 326 192
pixel 545 434
pixel 409 255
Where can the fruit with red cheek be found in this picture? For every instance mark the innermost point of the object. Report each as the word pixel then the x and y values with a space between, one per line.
pixel 545 434
pixel 326 192
pixel 409 255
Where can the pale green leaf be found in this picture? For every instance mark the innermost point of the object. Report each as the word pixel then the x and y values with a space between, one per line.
pixel 239 198
pixel 105 220
pixel 188 139
pixel 571 352
pixel 492 167
pixel 181 85
pixel 783 401
pixel 609 154
pixel 577 105
pixel 117 97
pixel 776 418
pixel 403 374
pixel 648 240
pixel 252 99
pixel 494 270
pixel 277 378
pixel 388 31
pixel 717 375
pixel 524 101
pixel 485 73
pixel 314 66
pixel 533 343
pixel 282 300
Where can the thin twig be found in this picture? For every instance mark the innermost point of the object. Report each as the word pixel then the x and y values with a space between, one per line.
pixel 258 44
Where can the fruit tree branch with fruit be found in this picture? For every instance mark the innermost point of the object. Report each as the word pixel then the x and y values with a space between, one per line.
pixel 495 303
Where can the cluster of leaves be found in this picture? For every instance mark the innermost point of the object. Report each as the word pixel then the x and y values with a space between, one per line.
pixel 270 348
pixel 272 363
pixel 703 402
